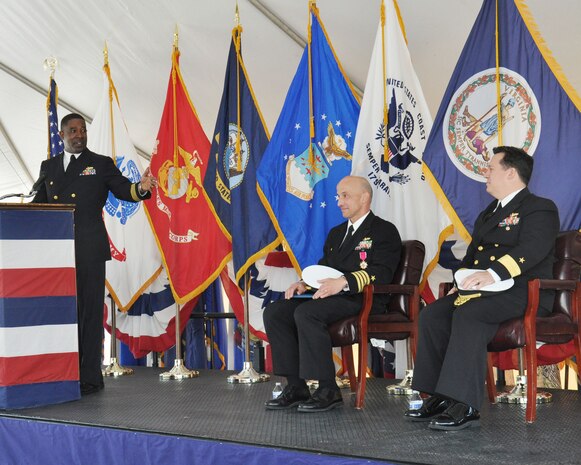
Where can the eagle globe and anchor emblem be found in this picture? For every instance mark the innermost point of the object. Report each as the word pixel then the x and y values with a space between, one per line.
pixel 180 181
pixel 470 129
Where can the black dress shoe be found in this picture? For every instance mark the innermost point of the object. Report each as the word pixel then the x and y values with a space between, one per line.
pixel 456 417
pixel 431 407
pixel 322 399
pixel 87 388
pixel 289 397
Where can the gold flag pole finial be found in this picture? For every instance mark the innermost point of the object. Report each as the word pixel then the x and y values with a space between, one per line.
pixel 50 64
pixel 176 37
pixel 105 55
pixel 237 15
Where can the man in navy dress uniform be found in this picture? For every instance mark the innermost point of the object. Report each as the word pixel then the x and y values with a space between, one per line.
pixel 366 249
pixel 83 178
pixel 514 237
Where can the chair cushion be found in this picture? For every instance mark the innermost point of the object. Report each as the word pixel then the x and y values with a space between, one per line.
pixel 557 328
pixel 345 332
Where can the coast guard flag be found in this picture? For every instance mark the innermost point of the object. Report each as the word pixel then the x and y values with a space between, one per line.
pixel 540 113
pixel 401 193
pixel 135 261
pixel 55 143
pixel 298 175
pixel 238 142
pixel 194 248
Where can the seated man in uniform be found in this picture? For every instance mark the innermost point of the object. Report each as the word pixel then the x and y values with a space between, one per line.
pixel 514 237
pixel 365 249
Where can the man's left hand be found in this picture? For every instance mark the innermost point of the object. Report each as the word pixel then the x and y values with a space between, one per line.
pixel 329 287
pixel 148 182
pixel 477 280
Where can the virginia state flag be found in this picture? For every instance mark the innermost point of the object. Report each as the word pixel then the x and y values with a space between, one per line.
pixel 299 172
pixel 401 193
pixel 55 143
pixel 194 249
pixel 238 143
pixel 540 113
pixel 135 260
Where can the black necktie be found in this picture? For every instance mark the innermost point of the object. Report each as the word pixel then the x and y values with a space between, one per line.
pixel 489 214
pixel 71 162
pixel 347 237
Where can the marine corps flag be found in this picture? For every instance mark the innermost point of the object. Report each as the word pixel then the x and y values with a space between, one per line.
pixel 310 150
pixel 238 144
pixel 194 249
pixel 532 107
pixel 391 159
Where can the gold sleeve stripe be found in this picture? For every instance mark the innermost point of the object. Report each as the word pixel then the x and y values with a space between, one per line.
pixel 362 278
pixel 511 265
pixel 134 195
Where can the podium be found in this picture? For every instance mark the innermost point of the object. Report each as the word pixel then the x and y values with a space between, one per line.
pixel 39 359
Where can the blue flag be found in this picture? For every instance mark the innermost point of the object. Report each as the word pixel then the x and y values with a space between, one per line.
pixel 55 143
pixel 540 113
pixel 298 175
pixel 238 143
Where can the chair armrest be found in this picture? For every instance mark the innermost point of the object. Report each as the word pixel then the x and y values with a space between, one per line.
pixel 558 284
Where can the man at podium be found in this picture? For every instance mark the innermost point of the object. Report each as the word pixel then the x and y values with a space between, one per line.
pixel 83 178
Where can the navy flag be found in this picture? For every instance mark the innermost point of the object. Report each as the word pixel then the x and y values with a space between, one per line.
pixel 310 150
pixel 535 109
pixel 238 142
pixel 55 143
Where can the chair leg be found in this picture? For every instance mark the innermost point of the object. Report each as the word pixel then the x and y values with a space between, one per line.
pixel 360 396
pixel 347 355
pixel 490 384
pixel 531 363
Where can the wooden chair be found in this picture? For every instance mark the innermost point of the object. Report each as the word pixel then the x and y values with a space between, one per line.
pixel 399 322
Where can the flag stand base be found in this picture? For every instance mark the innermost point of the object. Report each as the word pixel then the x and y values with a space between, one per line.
pixel 404 387
pixel 179 371
pixel 114 369
pixel 518 394
pixel 248 375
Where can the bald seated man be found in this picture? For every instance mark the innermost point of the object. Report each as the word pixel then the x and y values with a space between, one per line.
pixel 366 249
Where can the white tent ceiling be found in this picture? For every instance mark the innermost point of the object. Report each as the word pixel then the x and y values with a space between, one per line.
pixel 139 34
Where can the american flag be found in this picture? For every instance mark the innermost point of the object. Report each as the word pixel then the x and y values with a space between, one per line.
pixel 55 143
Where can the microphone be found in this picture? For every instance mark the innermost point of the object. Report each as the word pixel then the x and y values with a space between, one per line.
pixel 38 183
pixel 35 187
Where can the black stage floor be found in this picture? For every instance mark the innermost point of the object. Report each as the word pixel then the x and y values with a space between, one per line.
pixel 210 408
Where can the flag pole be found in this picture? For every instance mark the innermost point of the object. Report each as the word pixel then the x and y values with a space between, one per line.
pixel 179 370
pixel 385 106
pixel 312 7
pixel 404 387
pixel 498 95
pixel 50 65
pixel 114 368
pixel 248 375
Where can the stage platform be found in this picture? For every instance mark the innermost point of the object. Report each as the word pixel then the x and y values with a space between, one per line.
pixel 143 420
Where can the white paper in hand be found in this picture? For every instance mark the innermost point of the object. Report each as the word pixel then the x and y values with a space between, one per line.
pixel 312 274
